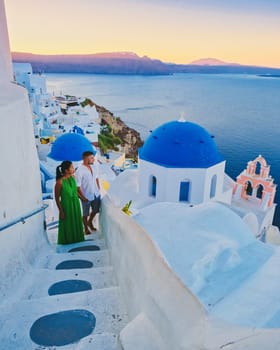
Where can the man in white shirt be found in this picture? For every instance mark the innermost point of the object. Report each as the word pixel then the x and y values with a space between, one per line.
pixel 88 190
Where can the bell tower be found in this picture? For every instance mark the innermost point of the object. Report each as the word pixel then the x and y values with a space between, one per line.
pixel 256 185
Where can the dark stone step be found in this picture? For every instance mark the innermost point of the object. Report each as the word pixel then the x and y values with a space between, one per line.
pixel 69 286
pixel 74 264
pixel 62 328
pixel 85 248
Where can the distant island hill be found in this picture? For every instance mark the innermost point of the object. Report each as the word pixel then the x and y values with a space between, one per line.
pixel 131 63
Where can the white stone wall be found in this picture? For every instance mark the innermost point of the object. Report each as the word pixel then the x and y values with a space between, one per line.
pixel 19 175
pixel 21 245
pixel 219 171
pixel 163 313
pixel 38 83
pixel 268 219
pixel 6 71
pixel 20 188
pixel 149 286
pixel 169 179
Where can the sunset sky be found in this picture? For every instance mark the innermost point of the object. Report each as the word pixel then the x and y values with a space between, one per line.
pixel 179 31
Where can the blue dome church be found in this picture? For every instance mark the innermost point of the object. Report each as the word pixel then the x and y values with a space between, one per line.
pixel 180 162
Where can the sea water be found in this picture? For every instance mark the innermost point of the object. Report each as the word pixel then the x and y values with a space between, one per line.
pixel 242 112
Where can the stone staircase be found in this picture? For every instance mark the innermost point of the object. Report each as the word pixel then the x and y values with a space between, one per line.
pixel 67 300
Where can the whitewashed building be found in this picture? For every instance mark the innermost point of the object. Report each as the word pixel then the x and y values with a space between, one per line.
pixel 45 109
pixel 180 162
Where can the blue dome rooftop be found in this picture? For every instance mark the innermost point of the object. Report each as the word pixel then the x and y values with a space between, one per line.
pixel 180 144
pixel 70 146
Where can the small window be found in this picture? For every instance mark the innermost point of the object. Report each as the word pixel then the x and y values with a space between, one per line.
pixel 213 186
pixel 153 186
pixel 184 191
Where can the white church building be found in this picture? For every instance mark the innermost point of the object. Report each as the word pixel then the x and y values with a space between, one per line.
pixel 180 162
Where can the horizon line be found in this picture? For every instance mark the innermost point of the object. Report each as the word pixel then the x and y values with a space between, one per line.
pixel 223 63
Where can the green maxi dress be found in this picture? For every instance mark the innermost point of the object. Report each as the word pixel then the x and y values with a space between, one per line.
pixel 70 229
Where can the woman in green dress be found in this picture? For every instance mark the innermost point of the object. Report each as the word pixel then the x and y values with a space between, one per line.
pixel 70 228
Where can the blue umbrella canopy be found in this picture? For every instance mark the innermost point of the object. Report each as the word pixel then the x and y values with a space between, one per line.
pixel 70 146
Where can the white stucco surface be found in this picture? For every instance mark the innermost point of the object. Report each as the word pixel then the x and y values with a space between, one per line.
pixel 6 72
pixel 150 288
pixel 215 254
pixel 141 334
pixel 169 180
pixel 20 188
pixel 20 175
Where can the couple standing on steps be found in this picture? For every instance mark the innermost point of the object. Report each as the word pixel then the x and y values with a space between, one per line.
pixel 88 190
pixel 68 189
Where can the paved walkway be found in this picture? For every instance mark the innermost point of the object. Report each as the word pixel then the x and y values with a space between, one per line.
pixel 76 307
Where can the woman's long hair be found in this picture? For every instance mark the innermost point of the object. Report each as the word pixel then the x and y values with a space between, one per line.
pixel 60 170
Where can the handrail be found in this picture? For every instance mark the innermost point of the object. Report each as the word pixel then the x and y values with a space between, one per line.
pixel 23 218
